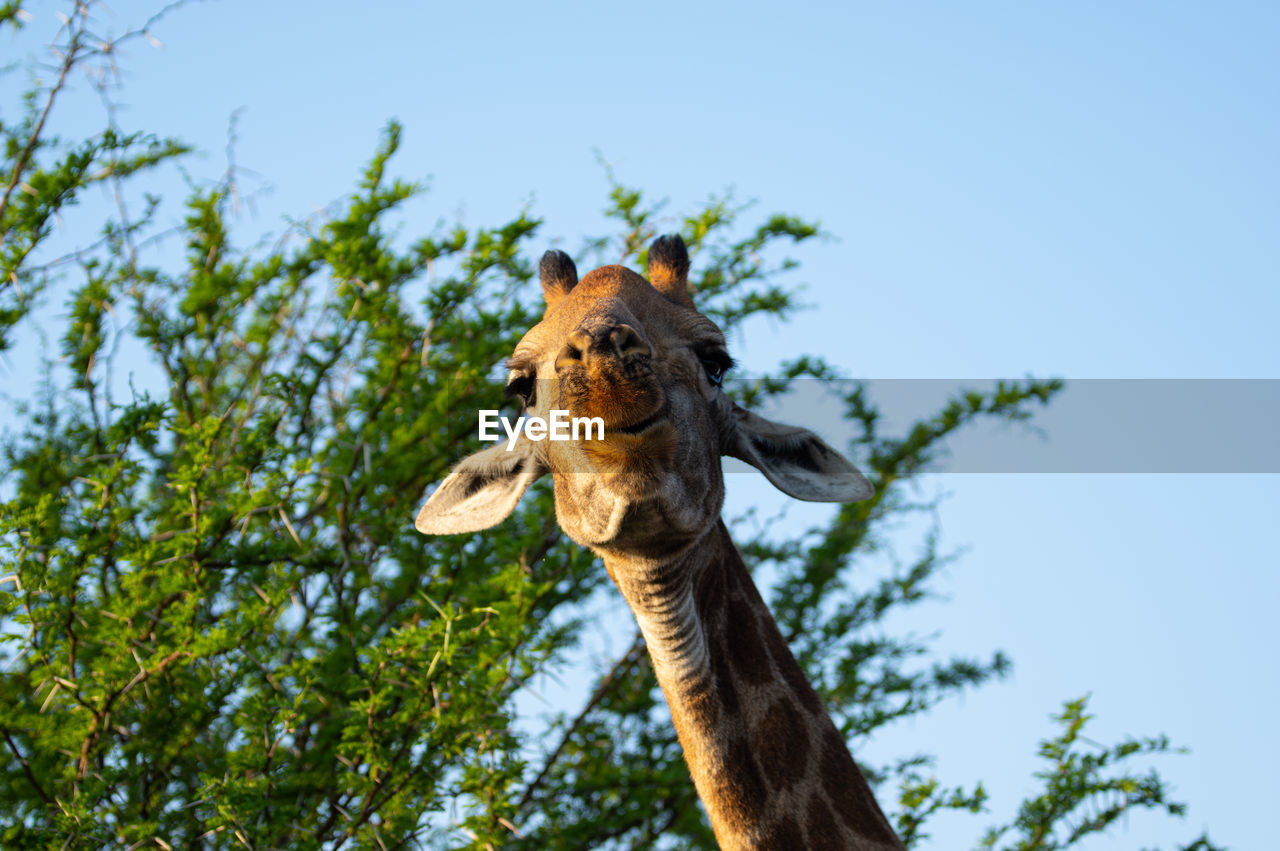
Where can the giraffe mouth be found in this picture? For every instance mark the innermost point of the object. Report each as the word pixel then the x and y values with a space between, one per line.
pixel 641 452
pixel 662 415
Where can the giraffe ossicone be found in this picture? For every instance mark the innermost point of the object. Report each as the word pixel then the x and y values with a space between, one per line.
pixel 768 763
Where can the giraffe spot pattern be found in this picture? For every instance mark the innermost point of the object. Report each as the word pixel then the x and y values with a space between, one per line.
pixel 745 795
pixel 785 835
pixel 701 701
pixel 790 670
pixel 782 745
pixel 725 688
pixel 850 794
pixel 824 832
pixel 747 651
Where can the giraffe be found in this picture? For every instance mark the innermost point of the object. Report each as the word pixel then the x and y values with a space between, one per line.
pixel 768 762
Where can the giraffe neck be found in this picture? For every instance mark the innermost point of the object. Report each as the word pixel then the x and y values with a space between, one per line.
pixel 767 761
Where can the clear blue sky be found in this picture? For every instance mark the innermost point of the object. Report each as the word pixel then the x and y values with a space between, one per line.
pixel 1085 190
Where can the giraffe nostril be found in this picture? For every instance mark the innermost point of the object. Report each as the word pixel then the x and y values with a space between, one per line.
pixel 627 341
pixel 611 342
pixel 573 350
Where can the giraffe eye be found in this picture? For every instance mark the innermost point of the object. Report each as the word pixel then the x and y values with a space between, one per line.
pixel 716 364
pixel 520 387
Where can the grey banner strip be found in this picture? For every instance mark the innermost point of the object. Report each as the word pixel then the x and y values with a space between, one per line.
pixel 1091 426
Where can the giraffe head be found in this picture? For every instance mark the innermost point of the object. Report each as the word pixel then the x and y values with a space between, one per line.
pixel 638 355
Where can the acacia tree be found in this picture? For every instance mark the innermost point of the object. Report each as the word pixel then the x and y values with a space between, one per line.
pixel 220 629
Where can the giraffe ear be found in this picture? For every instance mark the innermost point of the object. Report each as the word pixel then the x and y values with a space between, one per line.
pixel 558 275
pixel 669 268
pixel 481 491
pixel 796 461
